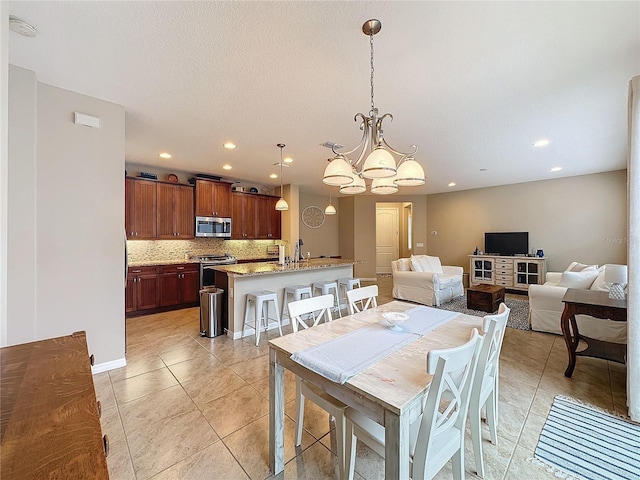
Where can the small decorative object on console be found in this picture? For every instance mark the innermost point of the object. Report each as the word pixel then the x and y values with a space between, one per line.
pixel 616 275
pixel 392 320
pixel 150 176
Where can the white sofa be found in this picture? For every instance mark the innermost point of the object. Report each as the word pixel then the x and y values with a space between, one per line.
pixel 545 305
pixel 422 279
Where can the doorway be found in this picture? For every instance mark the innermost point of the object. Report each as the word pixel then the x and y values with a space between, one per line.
pixel 394 233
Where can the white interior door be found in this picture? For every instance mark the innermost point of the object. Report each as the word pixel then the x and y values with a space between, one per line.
pixel 387 238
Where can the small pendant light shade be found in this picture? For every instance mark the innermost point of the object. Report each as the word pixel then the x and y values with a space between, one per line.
pixel 281 204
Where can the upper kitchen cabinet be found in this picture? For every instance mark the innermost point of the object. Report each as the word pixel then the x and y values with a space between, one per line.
pixel 213 199
pixel 244 216
pixel 175 211
pixel 269 219
pixel 140 209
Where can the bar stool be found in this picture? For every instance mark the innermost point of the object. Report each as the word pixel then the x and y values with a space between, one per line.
pixel 346 284
pixel 296 291
pixel 325 287
pixel 260 300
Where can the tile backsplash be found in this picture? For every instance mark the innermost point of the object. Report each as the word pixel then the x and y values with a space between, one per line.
pixel 160 250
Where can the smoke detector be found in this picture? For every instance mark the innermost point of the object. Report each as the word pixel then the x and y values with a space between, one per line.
pixel 20 26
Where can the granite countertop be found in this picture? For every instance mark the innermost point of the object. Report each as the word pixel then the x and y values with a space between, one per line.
pixel 262 268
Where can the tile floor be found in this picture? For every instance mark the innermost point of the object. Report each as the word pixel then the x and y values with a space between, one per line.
pixel 187 407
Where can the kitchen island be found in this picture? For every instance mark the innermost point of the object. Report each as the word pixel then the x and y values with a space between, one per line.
pixel 238 280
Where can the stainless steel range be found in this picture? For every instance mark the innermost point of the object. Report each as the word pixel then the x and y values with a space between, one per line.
pixel 207 262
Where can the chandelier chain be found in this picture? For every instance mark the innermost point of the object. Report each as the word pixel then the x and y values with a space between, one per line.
pixel 372 70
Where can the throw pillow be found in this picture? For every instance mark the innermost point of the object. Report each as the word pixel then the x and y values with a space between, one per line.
pixel 404 265
pixel 416 264
pixel 436 266
pixel 582 280
pixel 599 283
pixel 578 267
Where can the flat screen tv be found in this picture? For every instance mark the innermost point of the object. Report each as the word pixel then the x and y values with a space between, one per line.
pixel 506 243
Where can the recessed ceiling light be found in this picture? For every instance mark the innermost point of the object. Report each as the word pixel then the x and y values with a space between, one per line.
pixel 227 166
pixel 165 155
pixel 555 169
pixel 273 175
pixel 230 145
pixel 288 160
pixel 541 143
pixel 452 184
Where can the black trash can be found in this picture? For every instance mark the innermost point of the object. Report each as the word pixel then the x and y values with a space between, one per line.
pixel 211 299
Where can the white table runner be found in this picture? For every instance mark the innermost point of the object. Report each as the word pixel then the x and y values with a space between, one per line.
pixel 343 357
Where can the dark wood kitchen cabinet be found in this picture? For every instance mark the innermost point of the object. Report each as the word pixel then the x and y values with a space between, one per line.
pixel 140 209
pixel 244 214
pixel 213 199
pixel 179 284
pixel 142 291
pixel 175 215
pixel 269 219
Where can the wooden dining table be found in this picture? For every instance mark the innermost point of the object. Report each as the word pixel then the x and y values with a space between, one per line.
pixel 390 391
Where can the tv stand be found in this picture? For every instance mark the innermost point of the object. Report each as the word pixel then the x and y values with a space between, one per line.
pixel 513 272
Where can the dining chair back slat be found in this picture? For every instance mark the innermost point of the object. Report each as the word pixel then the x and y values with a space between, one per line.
pixel 365 295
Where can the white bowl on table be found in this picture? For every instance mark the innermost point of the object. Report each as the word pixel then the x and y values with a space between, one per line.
pixel 392 320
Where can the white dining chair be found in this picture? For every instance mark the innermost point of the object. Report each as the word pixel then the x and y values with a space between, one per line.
pixel 484 392
pixel 312 307
pixel 319 307
pixel 365 295
pixel 437 435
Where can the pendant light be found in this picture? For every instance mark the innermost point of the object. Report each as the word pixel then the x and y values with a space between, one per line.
pixel 330 210
pixel 281 204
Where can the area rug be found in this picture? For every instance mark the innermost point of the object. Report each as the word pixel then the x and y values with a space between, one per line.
pixel 583 442
pixel 518 318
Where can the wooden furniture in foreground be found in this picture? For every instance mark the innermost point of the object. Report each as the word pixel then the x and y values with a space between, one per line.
pixel 390 391
pixel 596 304
pixel 50 420
pixel 485 297
pixel 514 273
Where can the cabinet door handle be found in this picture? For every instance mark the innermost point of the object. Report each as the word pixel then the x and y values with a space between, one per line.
pixel 105 442
pixel 91 359
pixel 136 271
pixel 99 408
pixel 180 268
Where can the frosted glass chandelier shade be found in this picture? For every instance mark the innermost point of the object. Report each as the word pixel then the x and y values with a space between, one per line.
pixel 410 174
pixel 384 186
pixel 357 186
pixel 379 164
pixel 282 204
pixel 338 172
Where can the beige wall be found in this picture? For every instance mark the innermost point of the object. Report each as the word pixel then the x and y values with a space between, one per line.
pixel 363 220
pixel 4 163
pixel 323 240
pixel 73 223
pixel 580 218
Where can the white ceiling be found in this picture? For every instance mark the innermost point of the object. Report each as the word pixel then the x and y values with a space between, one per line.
pixel 472 84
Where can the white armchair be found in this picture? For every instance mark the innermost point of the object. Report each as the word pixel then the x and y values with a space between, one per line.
pixel 422 279
pixel 546 307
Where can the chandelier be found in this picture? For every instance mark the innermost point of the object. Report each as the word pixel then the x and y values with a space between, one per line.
pixel 379 164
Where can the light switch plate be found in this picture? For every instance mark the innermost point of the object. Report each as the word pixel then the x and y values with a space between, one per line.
pixel 419 245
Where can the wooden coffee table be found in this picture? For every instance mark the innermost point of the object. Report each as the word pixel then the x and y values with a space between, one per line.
pixel 485 297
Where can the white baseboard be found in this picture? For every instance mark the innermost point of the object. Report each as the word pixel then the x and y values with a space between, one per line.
pixel 250 331
pixel 106 366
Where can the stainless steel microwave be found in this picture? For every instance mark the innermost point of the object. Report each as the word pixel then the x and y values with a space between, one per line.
pixel 219 227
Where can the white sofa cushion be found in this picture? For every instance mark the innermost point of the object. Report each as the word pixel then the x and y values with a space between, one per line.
pixel 404 265
pixel 599 283
pixel 425 263
pixel 583 279
pixel 579 267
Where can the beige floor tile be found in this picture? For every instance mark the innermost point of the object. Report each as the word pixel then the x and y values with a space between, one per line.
pixel 313 463
pixel 136 365
pixel 217 383
pixel 119 461
pixel 521 467
pixel 111 424
pixel 196 368
pixel 253 370
pixel 235 410
pixel 104 391
pixel 145 411
pixel 214 461
pixel 185 352
pixel 173 342
pixel 250 446
pixel 162 444
pixel 289 386
pixel 316 420
pixel 531 431
pixel 516 393
pixel 142 385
